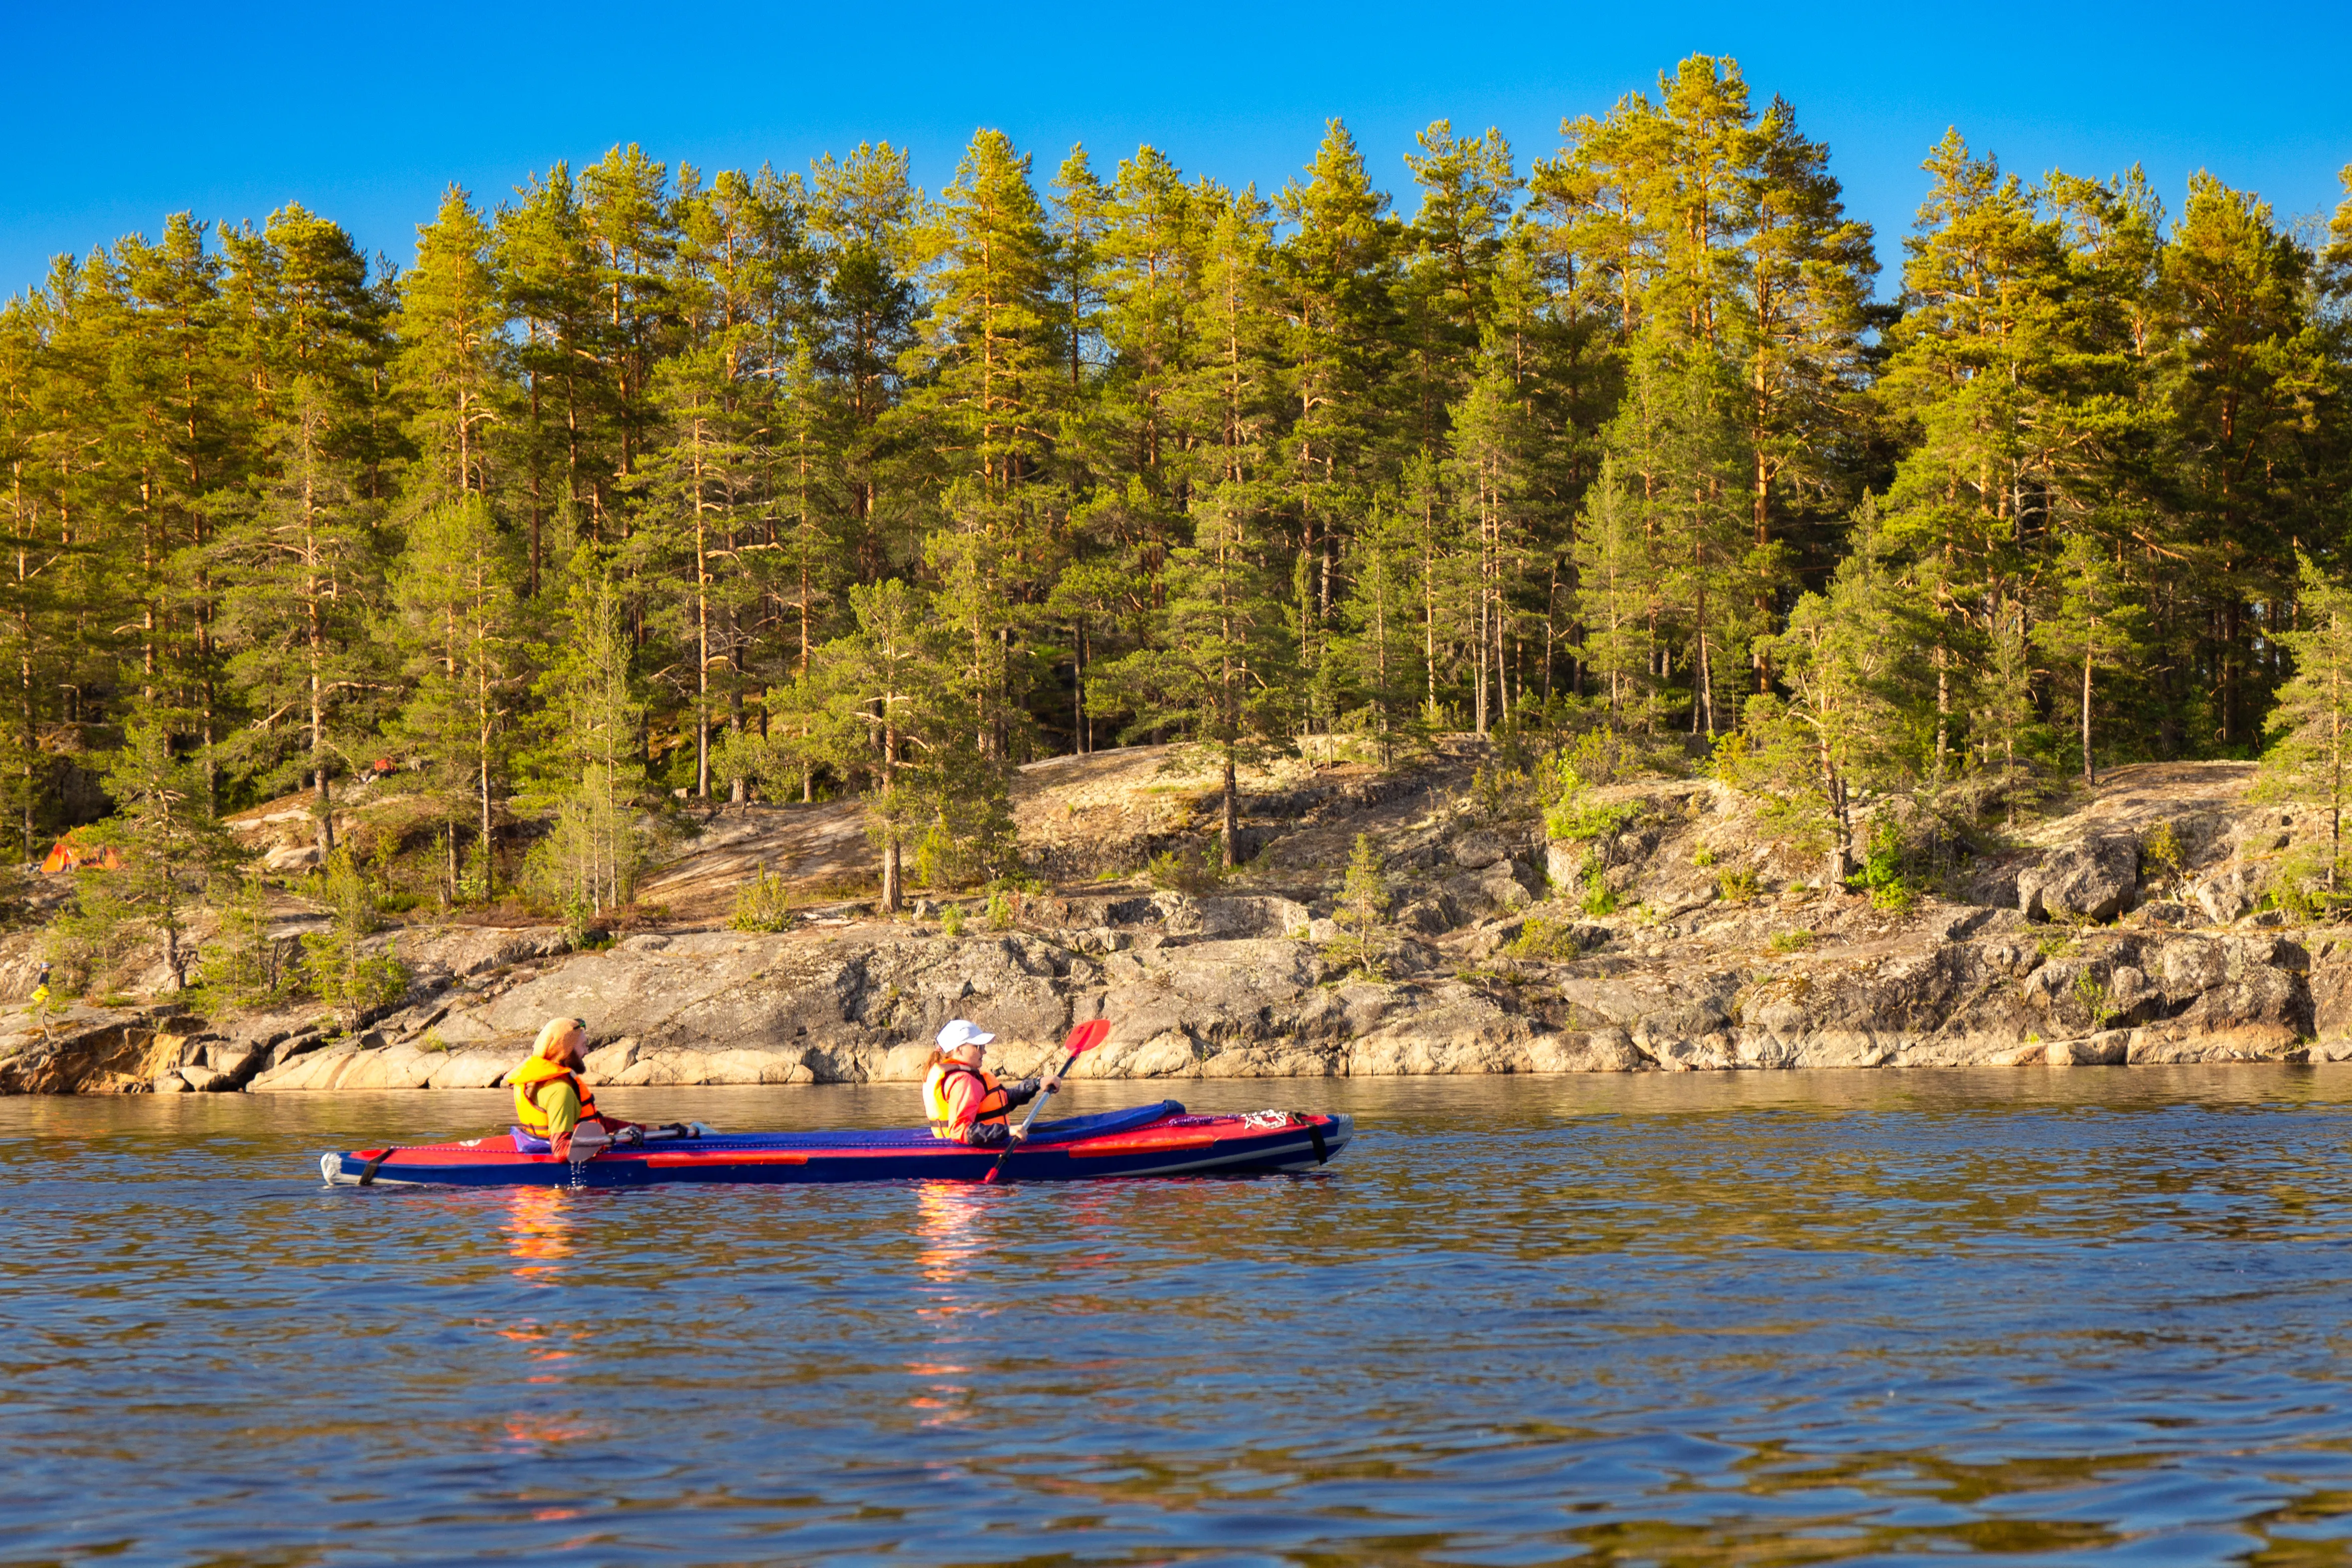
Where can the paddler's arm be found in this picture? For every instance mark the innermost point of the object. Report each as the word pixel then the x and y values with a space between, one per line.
pixel 562 1103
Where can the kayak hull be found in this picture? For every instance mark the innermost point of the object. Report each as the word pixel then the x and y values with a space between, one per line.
pixel 1170 1144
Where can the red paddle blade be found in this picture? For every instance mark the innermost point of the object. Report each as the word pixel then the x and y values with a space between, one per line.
pixel 1086 1036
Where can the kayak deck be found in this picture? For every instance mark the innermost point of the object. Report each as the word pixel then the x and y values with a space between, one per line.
pixel 1159 1140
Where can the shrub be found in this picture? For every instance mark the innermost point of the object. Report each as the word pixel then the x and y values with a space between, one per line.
pixel 1001 911
pixel 952 921
pixel 2093 996
pixel 1174 871
pixel 1796 941
pixel 1543 938
pixel 1737 887
pixel 339 969
pixel 1569 822
pixel 1882 873
pixel 760 904
pixel 1598 897
pixel 1703 858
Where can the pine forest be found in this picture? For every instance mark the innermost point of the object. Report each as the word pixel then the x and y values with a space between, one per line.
pixel 639 482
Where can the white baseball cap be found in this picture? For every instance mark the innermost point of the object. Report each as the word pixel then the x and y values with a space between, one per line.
pixel 963 1032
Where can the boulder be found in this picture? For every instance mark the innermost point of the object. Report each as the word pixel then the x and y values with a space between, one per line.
pixel 2229 893
pixel 1479 849
pixel 2096 880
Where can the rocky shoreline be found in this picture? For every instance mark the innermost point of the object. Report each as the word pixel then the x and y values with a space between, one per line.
pixel 2080 950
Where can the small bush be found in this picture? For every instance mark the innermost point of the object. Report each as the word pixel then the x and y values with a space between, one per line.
pixel 1174 871
pixel 1001 911
pixel 760 905
pixel 2093 996
pixel 2162 852
pixel 1737 887
pixel 1598 897
pixel 1703 858
pixel 952 921
pixel 1548 939
pixel 1882 874
pixel 1572 822
pixel 1796 941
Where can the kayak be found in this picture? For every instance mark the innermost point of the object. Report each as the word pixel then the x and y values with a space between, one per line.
pixel 1144 1141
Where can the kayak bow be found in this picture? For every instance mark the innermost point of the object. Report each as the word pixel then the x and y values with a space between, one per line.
pixel 1145 1141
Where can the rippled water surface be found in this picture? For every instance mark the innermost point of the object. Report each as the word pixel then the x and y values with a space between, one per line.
pixel 2091 1316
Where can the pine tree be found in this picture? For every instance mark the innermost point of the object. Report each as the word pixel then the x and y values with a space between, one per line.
pixel 306 576
pixel 889 705
pixel 1218 654
pixel 2311 759
pixel 456 619
pixel 564 448
pixel 1363 900
pixel 169 843
pixel 862 214
pixel 993 359
pixel 2097 625
pixel 586 772
pixel 450 331
pixel 1334 274
pixel 1846 658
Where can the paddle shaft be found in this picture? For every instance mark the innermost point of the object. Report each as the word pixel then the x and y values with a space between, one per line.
pixel 1083 1039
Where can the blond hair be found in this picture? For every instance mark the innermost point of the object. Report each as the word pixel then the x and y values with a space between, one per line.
pixel 555 1032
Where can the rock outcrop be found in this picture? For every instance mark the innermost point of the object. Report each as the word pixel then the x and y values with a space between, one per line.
pixel 1665 929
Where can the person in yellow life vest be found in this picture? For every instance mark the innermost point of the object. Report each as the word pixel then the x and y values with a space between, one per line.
pixel 552 1101
pixel 963 1100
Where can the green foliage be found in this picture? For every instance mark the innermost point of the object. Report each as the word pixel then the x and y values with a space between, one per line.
pixel 171 848
pixel 243 964
pixel 1598 897
pixel 1794 940
pixel 1364 901
pixel 952 921
pixel 1178 872
pixel 1703 858
pixel 1544 938
pixel 762 904
pixel 2094 997
pixel 827 487
pixel 1737 886
pixel 342 968
pixel 1569 822
pixel 2160 852
pixel 1882 875
pixel 1002 912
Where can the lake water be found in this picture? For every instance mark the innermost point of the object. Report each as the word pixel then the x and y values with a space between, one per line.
pixel 2088 1316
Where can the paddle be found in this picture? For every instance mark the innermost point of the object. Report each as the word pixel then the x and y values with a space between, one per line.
pixel 1083 1039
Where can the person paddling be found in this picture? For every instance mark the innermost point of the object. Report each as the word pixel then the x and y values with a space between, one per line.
pixel 964 1102
pixel 553 1101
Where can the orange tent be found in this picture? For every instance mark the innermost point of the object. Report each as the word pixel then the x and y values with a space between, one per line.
pixel 66 857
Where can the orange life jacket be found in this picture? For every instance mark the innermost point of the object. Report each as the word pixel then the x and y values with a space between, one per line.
pixel 994 1102
pixel 533 1075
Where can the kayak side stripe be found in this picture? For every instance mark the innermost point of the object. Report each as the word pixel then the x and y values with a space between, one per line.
pixel 747 1157
pixel 1136 1143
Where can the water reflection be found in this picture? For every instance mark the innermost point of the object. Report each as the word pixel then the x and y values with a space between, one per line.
pixel 538 1232
pixel 1774 1319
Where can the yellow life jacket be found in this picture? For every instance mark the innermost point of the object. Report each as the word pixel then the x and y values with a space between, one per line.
pixel 994 1102
pixel 528 1079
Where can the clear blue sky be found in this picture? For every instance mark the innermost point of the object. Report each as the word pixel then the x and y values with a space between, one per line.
pixel 117 114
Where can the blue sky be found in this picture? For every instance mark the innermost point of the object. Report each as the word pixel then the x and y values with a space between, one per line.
pixel 118 114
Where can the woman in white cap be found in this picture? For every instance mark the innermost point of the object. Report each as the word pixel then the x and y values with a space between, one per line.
pixel 963 1100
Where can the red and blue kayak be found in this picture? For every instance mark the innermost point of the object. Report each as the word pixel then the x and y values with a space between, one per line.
pixel 1145 1141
